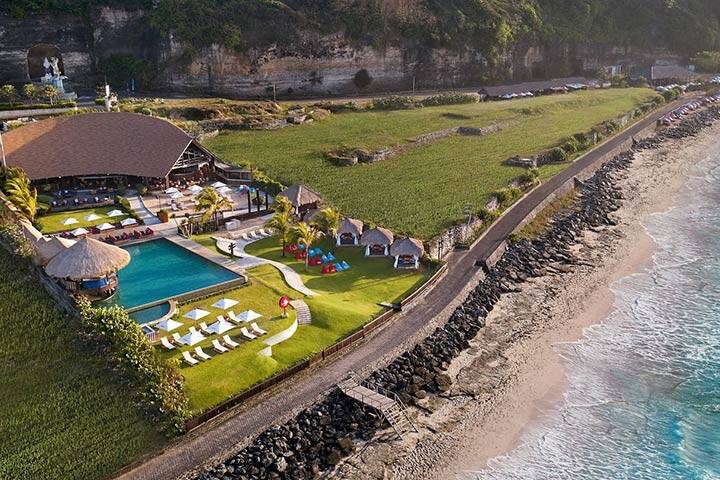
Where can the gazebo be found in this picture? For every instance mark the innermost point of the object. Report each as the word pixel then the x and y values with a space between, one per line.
pixel 89 267
pixel 407 252
pixel 301 197
pixel 46 249
pixel 349 232
pixel 377 242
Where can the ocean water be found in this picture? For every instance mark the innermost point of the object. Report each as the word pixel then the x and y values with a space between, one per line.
pixel 643 396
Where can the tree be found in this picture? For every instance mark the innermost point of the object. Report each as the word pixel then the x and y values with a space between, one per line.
pixel 9 93
pixel 30 91
pixel 282 204
pixel 328 221
pixel 708 61
pixel 305 234
pixel 21 193
pixel 211 203
pixel 281 223
pixel 51 93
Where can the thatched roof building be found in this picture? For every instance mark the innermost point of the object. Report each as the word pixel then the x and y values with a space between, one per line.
pixel 377 241
pixel 87 259
pixel 349 232
pixel 301 197
pixel 46 249
pixel 407 252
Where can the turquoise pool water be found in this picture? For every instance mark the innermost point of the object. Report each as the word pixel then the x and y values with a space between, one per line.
pixel 152 313
pixel 159 269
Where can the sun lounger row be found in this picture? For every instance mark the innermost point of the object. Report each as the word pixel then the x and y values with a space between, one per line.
pixel 134 235
pixel 256 234
pixel 221 346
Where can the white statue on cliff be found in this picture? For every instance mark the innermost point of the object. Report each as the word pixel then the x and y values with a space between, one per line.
pixel 53 75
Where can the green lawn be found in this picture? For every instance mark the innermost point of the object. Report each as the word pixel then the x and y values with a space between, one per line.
pixel 53 222
pixel 346 301
pixel 62 416
pixel 424 191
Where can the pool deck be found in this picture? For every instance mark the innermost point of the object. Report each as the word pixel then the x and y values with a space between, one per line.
pixel 214 257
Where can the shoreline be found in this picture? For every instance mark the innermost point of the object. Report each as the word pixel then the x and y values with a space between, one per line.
pixel 512 375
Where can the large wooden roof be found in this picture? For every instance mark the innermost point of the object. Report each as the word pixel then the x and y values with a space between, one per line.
pixel 96 144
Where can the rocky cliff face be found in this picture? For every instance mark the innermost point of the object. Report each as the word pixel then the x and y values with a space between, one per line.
pixel 316 65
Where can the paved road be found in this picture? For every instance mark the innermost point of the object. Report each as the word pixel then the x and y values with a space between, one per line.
pixel 218 437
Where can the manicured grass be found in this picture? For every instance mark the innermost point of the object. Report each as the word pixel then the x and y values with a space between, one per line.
pixel 424 191
pixel 53 222
pixel 62 415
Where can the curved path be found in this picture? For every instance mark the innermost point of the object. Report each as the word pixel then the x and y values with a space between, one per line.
pixel 292 278
pixel 220 437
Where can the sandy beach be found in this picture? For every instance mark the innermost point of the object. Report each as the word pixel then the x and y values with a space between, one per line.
pixel 511 374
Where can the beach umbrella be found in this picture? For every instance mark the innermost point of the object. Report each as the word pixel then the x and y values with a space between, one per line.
pixel 171 190
pixel 218 185
pixel 221 326
pixel 195 189
pixel 70 221
pixel 115 213
pixel 128 221
pixel 105 226
pixel 196 314
pixel 176 195
pixel 248 316
pixel 92 217
pixel 225 303
pixel 168 325
pixel 78 232
pixel 192 338
pixel 224 190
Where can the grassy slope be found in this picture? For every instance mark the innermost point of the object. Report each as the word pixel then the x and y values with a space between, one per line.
pixel 424 191
pixel 62 416
pixel 52 222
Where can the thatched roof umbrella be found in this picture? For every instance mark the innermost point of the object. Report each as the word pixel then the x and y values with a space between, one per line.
pixel 88 258
pixel 376 236
pixel 300 195
pixel 47 249
pixel 407 247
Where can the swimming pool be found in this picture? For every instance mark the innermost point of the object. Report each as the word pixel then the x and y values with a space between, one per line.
pixel 159 270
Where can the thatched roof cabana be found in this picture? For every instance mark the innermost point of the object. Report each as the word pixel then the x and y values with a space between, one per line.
pixel 47 249
pixel 377 236
pixel 350 226
pixel 88 258
pixel 310 215
pixel 300 196
pixel 407 247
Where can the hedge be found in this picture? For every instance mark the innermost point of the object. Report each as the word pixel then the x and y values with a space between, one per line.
pixel 393 102
pixel 450 98
pixel 156 385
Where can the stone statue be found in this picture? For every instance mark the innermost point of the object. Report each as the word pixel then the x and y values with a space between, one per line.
pixel 54 63
pixel 47 65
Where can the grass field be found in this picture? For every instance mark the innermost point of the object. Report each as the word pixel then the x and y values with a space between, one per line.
pixel 62 416
pixel 53 222
pixel 426 190
pixel 346 301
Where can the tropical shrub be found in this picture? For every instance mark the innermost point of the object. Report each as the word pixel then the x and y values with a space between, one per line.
pixel 156 385
pixel 506 196
pixel 450 98
pixel 393 102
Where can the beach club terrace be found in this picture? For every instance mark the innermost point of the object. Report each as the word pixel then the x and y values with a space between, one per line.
pixel 101 151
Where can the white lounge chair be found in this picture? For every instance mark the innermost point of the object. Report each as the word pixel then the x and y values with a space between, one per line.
pixel 220 318
pixel 229 342
pixel 256 329
pixel 233 318
pixel 218 348
pixel 244 236
pixel 203 326
pixel 189 359
pixel 166 343
pixel 247 334
pixel 202 355
pixel 193 330
pixel 176 338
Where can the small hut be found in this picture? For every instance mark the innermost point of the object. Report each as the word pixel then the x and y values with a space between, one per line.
pixel 377 242
pixel 47 248
pixel 349 232
pixel 301 197
pixel 89 267
pixel 407 252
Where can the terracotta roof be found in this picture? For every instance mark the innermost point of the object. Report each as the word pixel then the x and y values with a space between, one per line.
pixel 377 236
pixel 407 246
pixel 350 225
pixel 88 258
pixel 300 195
pixel 96 144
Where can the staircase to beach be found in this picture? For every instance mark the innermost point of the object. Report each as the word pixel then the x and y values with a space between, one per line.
pixel 302 312
pixel 385 402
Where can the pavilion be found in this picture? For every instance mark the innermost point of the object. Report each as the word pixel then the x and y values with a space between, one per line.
pixel 407 252
pixel 377 242
pixel 89 267
pixel 47 248
pixel 302 198
pixel 349 232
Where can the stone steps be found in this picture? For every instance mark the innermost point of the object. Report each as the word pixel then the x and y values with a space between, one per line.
pixel 302 312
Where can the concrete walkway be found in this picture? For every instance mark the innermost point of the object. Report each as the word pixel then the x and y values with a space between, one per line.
pixel 138 207
pixel 220 438
pixel 292 278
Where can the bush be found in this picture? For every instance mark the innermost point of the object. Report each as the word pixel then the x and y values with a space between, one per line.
pixel 506 196
pixel 529 177
pixel 450 98
pixel 571 145
pixel 487 216
pixel 141 189
pixel 707 61
pixel 557 154
pixel 393 102
pixel 11 234
pixel 265 183
pixel 155 384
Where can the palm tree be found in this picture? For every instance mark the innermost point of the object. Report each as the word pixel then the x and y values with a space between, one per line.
pixel 328 221
pixel 211 203
pixel 21 193
pixel 305 234
pixel 281 223
pixel 283 205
